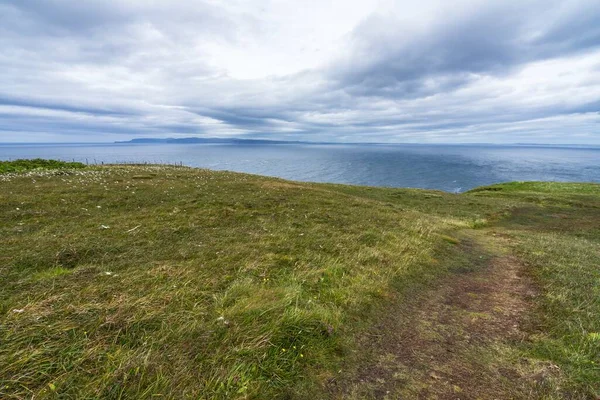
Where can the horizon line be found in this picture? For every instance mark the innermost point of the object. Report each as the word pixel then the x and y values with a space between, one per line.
pixel 131 141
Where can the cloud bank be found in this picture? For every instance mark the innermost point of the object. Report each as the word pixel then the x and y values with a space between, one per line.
pixel 343 71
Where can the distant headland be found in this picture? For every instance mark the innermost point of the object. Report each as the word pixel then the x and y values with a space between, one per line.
pixel 210 140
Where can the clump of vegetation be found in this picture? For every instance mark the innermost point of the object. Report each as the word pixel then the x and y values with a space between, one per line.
pixel 190 283
pixel 38 163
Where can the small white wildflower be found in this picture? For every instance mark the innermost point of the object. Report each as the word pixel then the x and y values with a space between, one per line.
pixel 18 310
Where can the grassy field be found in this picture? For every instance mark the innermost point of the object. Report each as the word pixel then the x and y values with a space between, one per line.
pixel 38 163
pixel 172 282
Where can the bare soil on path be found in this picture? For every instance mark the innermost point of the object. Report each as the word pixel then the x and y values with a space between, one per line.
pixel 455 341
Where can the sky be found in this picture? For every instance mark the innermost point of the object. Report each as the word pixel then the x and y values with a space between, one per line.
pixel 466 71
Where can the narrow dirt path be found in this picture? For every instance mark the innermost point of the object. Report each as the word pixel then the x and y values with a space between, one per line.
pixel 453 342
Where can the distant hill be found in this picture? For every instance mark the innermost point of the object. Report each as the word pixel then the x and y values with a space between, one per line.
pixel 207 140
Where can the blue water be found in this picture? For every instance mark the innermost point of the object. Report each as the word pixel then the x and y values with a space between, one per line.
pixel 445 167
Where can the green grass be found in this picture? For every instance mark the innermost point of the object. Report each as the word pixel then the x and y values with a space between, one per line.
pixel 569 323
pixel 38 163
pixel 146 281
pixel 561 242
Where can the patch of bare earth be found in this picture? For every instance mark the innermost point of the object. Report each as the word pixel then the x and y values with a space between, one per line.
pixel 452 342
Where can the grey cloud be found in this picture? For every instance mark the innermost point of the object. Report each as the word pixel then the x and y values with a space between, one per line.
pixel 46 105
pixel 575 28
pixel 62 16
pixel 96 68
pixel 492 40
pixel 84 17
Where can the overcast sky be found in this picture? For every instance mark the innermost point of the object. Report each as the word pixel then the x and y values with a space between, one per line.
pixel 340 70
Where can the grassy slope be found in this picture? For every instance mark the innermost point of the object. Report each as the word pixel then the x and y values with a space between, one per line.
pixel 557 233
pixel 138 281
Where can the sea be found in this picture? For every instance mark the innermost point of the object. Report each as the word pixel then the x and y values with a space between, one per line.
pixel 451 168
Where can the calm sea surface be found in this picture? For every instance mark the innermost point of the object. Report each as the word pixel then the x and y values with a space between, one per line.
pixel 445 167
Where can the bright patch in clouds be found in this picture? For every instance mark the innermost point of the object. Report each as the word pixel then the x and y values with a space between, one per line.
pixel 387 71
